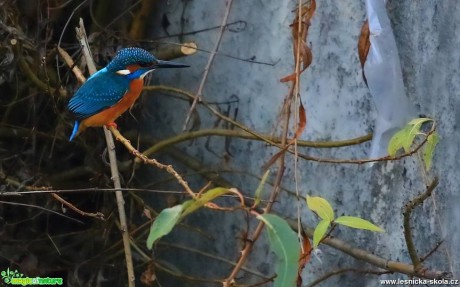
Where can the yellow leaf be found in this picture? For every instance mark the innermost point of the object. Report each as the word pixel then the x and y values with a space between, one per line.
pixel 194 204
pixel 428 150
pixel 321 207
pixel 320 231
pixel 404 138
pixel 357 222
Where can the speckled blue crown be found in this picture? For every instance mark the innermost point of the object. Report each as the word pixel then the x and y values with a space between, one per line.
pixel 130 56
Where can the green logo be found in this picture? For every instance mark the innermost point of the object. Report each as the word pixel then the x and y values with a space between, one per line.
pixel 8 275
pixel 11 277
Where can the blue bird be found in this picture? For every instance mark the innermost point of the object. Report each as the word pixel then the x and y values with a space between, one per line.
pixel 112 90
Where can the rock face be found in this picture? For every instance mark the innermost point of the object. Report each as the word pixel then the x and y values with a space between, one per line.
pixel 339 106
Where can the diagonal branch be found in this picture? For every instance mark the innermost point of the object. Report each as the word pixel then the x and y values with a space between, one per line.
pixel 153 162
pixel 375 260
pixel 81 35
pixel 199 93
pixel 407 230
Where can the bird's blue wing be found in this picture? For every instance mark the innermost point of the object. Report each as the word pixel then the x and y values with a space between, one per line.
pixel 99 92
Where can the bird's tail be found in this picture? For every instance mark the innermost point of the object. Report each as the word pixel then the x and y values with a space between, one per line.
pixel 75 130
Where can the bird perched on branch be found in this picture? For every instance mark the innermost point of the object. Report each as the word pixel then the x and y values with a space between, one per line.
pixel 112 90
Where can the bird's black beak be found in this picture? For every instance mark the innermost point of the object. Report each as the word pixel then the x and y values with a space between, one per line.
pixel 169 64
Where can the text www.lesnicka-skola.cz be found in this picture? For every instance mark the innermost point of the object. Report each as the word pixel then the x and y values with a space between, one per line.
pixel 419 281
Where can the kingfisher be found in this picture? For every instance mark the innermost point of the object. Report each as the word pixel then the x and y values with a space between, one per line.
pixel 111 91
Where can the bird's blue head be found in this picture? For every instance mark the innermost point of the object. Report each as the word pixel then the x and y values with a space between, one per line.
pixel 136 63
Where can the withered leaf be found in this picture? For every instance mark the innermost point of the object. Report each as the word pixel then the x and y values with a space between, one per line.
pixel 304 256
pixel 300 128
pixel 288 78
pixel 364 43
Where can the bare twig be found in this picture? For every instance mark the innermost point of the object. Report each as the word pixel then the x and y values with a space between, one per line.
pixel 303 156
pixel 362 161
pixel 375 260
pixel 69 61
pixel 436 247
pixel 176 51
pixel 153 162
pixel 199 93
pixel 407 230
pixel 229 281
pixel 245 135
pixel 24 66
pixel 345 270
pixel 97 215
pixel 41 208
pixel 34 190
pixel 81 34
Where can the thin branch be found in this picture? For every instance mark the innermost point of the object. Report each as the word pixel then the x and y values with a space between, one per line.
pixel 210 256
pixel 24 66
pixel 199 93
pixel 81 35
pixel 375 260
pixel 30 189
pixel 153 162
pixel 176 51
pixel 362 161
pixel 41 208
pixel 69 61
pixel 303 156
pixel 345 270
pixel 246 135
pixel 97 215
pixel 229 281
pixel 436 247
pixel 182 276
pixel 407 229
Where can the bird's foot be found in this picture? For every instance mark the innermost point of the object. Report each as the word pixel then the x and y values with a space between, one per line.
pixel 113 124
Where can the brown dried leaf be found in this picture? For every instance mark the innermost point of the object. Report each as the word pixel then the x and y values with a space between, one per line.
pixel 302 122
pixel 300 128
pixel 307 56
pixel 364 43
pixel 312 7
pixel 307 11
pixel 304 256
pixel 288 78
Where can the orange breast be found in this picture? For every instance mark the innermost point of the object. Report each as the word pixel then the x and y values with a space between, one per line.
pixel 111 114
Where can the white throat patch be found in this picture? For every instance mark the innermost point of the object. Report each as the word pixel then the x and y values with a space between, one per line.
pixel 128 72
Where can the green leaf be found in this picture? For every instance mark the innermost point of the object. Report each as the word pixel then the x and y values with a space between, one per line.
pixel 163 224
pixel 428 151
pixel 357 222
pixel 260 188
pixel 404 138
pixel 320 231
pixel 419 121
pixel 321 207
pixel 194 204
pixel 284 242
